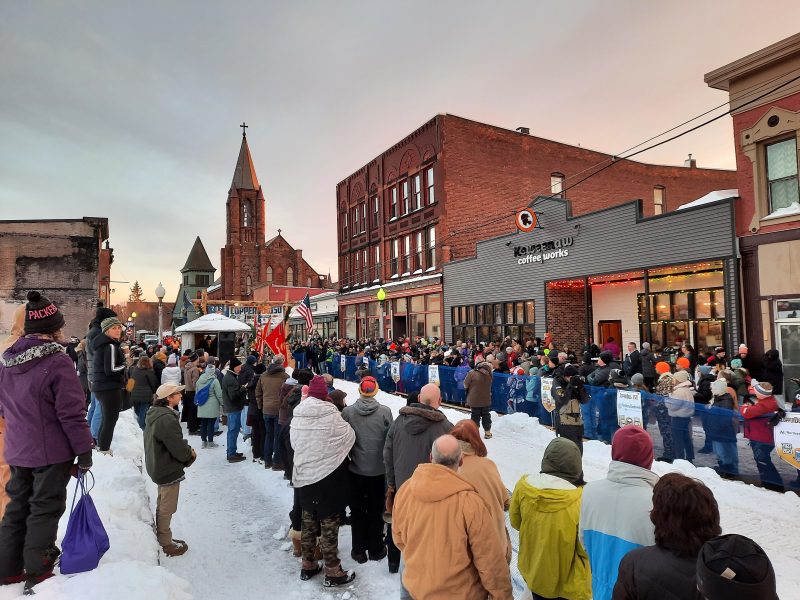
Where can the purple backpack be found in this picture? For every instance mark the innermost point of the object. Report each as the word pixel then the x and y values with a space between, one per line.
pixel 86 539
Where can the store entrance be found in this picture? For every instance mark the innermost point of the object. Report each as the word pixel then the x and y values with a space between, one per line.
pixel 400 326
pixel 609 329
pixel 787 329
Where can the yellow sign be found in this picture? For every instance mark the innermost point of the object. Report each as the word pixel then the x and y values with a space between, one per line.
pixel 787 439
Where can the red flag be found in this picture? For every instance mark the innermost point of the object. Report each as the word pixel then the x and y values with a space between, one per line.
pixel 276 340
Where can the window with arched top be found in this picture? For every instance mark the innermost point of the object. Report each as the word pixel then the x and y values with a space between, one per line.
pixel 269 274
pixel 248 282
pixel 289 276
pixel 247 216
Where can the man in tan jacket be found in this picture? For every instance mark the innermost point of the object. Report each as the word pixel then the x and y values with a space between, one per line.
pixel 449 544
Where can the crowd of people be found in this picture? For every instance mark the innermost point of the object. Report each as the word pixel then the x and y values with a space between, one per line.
pixel 417 490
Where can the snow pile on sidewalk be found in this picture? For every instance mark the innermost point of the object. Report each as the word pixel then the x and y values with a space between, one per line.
pixel 766 517
pixel 129 570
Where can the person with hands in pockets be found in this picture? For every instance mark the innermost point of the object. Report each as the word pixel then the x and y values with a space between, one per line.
pixel 44 407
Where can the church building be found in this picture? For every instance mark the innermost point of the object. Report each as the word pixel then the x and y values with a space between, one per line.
pixel 248 259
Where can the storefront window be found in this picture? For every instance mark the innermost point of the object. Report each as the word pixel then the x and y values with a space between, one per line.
pixel 434 324
pixel 509 312
pixel 530 314
pixel 494 321
pixel 479 314
pixel 456 316
pixel 677 331
pixel 471 314
pixel 498 313
pixel 372 309
pixel 702 305
pixel 418 325
pixel 680 306
pixel 719 304
pixel 662 307
pixel 417 304
pixel 520 312
pixel 787 309
pixel 709 335
pixel 434 302
pixel 400 306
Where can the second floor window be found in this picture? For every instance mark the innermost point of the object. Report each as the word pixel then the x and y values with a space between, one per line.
pixel 375 211
pixel 658 199
pixel 344 226
pixel 405 198
pixel 363 217
pixel 377 262
pixel 429 182
pixel 417 192
pixel 407 254
pixel 418 250
pixel 431 258
pixel 557 185
pixel 393 203
pixel 395 255
pixel 365 265
pixel 782 174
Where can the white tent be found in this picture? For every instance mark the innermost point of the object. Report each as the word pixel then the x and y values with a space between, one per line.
pixel 213 323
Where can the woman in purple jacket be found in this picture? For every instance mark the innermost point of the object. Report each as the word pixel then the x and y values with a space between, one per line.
pixel 45 411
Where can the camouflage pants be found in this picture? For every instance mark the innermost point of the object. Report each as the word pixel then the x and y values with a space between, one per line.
pixel 327 530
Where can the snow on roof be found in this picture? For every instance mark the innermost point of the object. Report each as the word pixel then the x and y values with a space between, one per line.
pixel 213 323
pixel 710 197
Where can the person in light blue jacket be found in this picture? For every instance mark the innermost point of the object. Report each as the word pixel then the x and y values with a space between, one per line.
pixel 615 511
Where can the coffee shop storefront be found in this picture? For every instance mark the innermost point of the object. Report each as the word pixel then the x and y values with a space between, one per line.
pixel 665 279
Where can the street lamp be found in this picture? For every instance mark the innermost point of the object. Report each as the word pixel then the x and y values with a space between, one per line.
pixel 133 316
pixel 160 293
pixel 381 296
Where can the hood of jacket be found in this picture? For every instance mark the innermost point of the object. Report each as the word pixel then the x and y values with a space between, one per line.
pixel 434 483
pixel 547 492
pixel 484 367
pixel 419 417
pixel 158 412
pixel 276 368
pixel 24 353
pixel 366 406
pixel 627 474
pixel 683 384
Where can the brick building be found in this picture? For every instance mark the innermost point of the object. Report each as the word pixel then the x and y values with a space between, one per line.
pixel 429 198
pixel 64 259
pixel 248 258
pixel 766 139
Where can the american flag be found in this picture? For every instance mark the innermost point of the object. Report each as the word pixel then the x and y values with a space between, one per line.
pixel 304 308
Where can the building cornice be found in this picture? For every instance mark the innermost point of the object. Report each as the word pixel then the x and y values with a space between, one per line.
pixel 721 78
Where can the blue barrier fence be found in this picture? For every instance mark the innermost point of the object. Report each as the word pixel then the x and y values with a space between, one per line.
pixel 522 394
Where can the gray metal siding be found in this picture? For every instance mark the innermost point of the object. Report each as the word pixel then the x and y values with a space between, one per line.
pixel 607 241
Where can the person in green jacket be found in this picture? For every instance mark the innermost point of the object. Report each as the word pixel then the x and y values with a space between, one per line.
pixel 166 456
pixel 209 411
pixel 545 509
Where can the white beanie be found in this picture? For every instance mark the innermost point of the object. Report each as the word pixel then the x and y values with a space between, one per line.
pixel 719 386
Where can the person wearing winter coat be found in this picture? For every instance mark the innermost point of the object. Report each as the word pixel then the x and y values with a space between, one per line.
pixel 478 384
pixel 648 360
pixel 82 369
pixel 569 393
pixel 772 371
pixel 172 372
pixel 17 331
pixel 371 421
pixel 685 515
pixel 758 430
pixel 321 440
pixel 109 378
pixel 615 511
pixel 482 473
pixel 658 405
pixel 545 509
pixel 95 416
pixel 209 411
pixel 44 409
pixel 191 374
pixel 246 375
pixel 234 399
pixel 680 405
pixel 408 444
pixel 721 428
pixel 166 456
pixel 145 385
pixel 268 398
pixel 159 364
pixel 462 556
pixel 461 372
pixel 254 415
pixel 702 396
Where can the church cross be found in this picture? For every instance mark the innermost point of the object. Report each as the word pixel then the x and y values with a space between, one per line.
pixel 279 231
pixel 244 127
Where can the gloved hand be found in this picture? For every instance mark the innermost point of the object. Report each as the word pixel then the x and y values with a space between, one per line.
pixel 192 459
pixel 390 499
pixel 85 461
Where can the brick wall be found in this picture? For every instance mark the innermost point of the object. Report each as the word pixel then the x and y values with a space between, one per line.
pixel 566 317
pixel 489 171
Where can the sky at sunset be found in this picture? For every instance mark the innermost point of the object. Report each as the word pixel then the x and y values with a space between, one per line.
pixel 130 110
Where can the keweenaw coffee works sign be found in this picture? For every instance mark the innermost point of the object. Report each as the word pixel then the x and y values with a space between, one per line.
pixel 544 251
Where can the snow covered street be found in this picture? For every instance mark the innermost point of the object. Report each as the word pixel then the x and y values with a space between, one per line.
pixel 235 516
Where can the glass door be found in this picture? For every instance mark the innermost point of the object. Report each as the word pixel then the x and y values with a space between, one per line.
pixel 788 333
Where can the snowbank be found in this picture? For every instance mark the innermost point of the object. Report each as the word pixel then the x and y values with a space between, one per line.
pixel 767 517
pixel 129 570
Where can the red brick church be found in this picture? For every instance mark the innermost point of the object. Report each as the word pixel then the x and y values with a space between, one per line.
pixel 248 259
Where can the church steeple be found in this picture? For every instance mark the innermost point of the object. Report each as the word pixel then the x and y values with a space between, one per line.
pixel 244 176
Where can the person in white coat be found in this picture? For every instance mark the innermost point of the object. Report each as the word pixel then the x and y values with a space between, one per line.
pixel 680 405
pixel 171 374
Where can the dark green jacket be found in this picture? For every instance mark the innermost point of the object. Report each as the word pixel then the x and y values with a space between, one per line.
pixel 166 453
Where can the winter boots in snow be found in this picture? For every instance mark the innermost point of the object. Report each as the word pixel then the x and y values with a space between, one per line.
pixel 49 561
pixel 359 557
pixel 379 555
pixel 176 548
pixel 309 569
pixel 297 550
pixel 335 576
pixel 487 435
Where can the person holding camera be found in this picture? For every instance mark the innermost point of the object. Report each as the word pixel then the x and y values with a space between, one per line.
pixel 569 394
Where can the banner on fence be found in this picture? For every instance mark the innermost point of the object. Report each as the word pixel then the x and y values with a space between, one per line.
pixel 343 363
pixel 433 374
pixel 395 368
pixel 787 439
pixel 547 399
pixel 629 408
pixel 365 360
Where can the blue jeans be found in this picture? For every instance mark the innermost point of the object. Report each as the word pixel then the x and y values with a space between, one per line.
pixel 234 424
pixel 727 455
pixel 766 470
pixel 682 437
pixel 207 429
pixel 246 429
pixel 272 449
pixel 141 412
pixel 95 416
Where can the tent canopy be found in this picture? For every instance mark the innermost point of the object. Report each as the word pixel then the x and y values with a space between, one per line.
pixel 213 323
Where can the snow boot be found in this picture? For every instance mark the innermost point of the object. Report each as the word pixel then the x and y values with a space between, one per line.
pixel 359 557
pixel 394 567
pixel 176 548
pixel 235 458
pixel 294 535
pixel 309 569
pixel 336 576
pixel 379 555
pixel 12 579
pixel 205 445
pixel 106 452
pixel 487 435
pixel 213 445
pixel 277 467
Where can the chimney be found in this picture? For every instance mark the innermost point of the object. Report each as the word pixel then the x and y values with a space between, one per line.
pixel 523 130
pixel 690 162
